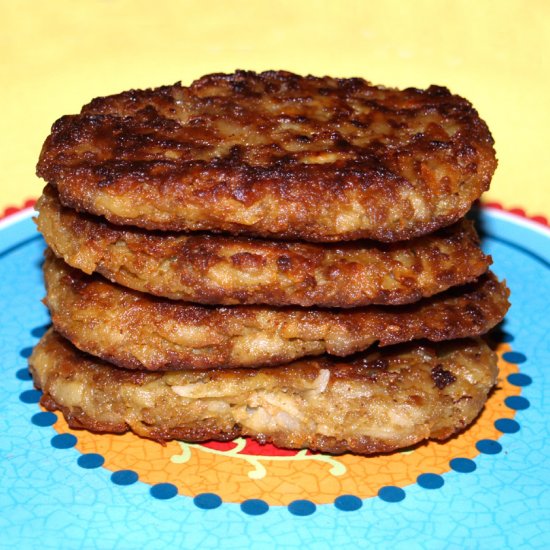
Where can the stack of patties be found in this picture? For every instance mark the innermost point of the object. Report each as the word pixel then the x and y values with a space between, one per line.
pixel 268 255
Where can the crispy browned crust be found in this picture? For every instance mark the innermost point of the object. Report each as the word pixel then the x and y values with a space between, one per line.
pixel 138 331
pixel 372 403
pixel 228 270
pixel 274 155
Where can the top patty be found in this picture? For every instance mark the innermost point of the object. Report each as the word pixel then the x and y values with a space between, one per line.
pixel 274 155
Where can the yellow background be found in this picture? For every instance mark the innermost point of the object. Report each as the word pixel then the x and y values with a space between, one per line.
pixel 57 55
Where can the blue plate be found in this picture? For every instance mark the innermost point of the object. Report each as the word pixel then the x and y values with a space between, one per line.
pixel 57 494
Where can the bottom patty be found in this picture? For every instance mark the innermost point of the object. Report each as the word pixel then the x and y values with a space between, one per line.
pixel 374 402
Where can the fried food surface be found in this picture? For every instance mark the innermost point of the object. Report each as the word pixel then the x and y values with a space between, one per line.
pixel 228 270
pixel 138 331
pixel 372 403
pixel 274 155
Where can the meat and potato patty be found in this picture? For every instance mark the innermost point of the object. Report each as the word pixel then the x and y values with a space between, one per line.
pixel 228 270
pixel 138 331
pixel 274 155
pixel 370 403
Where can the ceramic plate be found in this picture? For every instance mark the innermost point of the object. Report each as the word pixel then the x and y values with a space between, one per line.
pixel 63 488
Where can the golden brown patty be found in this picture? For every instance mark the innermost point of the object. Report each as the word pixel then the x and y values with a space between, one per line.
pixel 227 270
pixel 138 331
pixel 274 155
pixel 377 402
